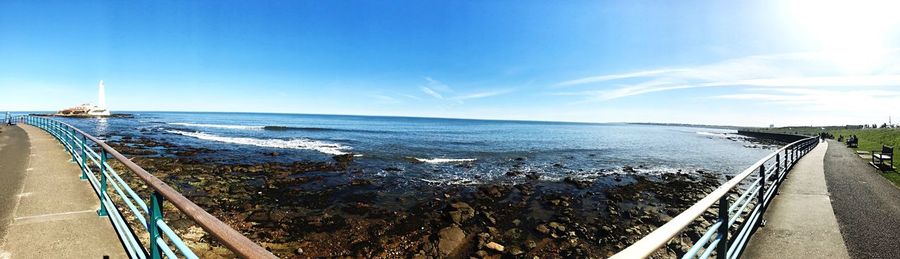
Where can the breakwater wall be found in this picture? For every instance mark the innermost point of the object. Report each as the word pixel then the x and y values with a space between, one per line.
pixel 780 137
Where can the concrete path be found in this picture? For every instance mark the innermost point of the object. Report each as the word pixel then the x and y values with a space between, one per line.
pixel 55 212
pixel 13 141
pixel 866 204
pixel 801 222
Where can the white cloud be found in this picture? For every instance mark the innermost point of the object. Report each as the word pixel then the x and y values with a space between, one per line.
pixel 479 95
pixel 411 97
pixel 604 78
pixel 437 85
pixel 432 92
pixel 385 98
pixel 792 70
pixel 863 102
pixel 439 90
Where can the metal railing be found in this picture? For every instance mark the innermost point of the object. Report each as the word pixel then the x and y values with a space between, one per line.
pixel 91 155
pixel 741 216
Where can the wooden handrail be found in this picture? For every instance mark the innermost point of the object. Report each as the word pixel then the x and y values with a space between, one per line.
pixel 232 239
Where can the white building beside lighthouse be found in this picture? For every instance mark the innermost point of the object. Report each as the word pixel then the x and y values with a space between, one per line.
pixel 90 109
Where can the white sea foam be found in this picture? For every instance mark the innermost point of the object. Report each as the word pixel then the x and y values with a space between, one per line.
pixel 321 146
pixel 218 126
pixel 454 181
pixel 444 160
pixel 721 134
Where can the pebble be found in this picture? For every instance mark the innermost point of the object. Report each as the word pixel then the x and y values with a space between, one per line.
pixel 495 246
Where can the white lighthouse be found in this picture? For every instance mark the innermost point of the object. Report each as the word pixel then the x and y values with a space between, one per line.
pixel 101 96
pixel 87 109
pixel 100 109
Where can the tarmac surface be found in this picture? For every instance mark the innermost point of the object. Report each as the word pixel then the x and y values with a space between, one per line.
pixel 53 212
pixel 800 220
pixel 13 141
pixel 866 204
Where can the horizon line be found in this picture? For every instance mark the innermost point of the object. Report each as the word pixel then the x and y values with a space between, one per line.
pixel 433 117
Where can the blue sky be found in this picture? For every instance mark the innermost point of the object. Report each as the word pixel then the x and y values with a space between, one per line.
pixel 720 62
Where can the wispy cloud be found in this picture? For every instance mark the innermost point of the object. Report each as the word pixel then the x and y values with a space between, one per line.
pixel 484 94
pixel 437 85
pixel 861 101
pixel 792 70
pixel 432 92
pixel 411 97
pixel 439 90
pixel 604 78
pixel 385 98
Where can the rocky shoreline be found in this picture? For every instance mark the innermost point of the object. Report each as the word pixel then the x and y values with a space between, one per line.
pixel 332 209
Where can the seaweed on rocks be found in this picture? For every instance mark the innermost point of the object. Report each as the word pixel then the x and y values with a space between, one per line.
pixel 328 209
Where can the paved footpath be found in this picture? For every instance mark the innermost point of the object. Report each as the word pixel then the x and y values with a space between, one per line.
pixel 12 162
pixel 800 221
pixel 54 215
pixel 866 204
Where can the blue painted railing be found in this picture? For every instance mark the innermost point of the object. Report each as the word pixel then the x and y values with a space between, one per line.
pixel 91 156
pixel 758 185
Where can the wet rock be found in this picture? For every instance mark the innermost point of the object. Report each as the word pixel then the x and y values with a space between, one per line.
pixel 360 182
pixel 495 246
pixel 392 169
pixel 557 226
pixel 628 169
pixel 543 229
pixel 490 218
pixel 450 239
pixel 581 184
pixel 494 191
pixel 515 251
pixel 462 212
pixel 343 160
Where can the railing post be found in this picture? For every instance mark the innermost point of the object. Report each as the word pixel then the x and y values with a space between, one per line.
pixel 84 165
pixel 778 163
pixel 156 201
pixel 65 135
pixel 793 156
pixel 103 196
pixel 777 171
pixel 762 193
pixel 722 248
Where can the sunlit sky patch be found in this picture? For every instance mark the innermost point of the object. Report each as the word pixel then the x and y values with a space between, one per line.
pixel 794 62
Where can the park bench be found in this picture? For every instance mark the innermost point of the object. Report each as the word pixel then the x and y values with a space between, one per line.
pixel 886 155
pixel 853 142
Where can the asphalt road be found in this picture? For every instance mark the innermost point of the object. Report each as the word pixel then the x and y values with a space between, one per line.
pixel 867 205
pixel 14 150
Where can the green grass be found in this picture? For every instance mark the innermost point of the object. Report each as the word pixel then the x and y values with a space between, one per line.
pixel 869 140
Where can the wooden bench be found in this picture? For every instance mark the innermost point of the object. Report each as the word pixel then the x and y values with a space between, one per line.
pixel 884 159
pixel 853 142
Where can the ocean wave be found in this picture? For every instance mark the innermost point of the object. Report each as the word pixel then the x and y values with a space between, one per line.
pixel 269 127
pixel 443 160
pixel 454 181
pixel 721 134
pixel 289 128
pixel 308 144
pixel 218 126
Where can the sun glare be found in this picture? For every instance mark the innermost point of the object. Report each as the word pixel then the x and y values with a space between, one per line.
pixel 854 34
